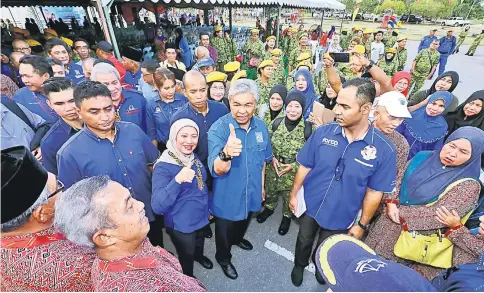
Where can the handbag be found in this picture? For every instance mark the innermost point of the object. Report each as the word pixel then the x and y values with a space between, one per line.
pixel 434 250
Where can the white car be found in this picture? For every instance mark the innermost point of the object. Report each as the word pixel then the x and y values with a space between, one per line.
pixel 455 21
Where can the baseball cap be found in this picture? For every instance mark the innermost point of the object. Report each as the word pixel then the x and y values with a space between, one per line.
pixel 206 61
pixel 395 103
pixel 105 46
pixel 349 265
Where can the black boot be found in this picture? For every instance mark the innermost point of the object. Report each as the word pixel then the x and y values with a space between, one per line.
pixel 284 227
pixel 467 53
pixel 297 275
pixel 319 278
pixel 472 54
pixel 266 213
pixel 207 231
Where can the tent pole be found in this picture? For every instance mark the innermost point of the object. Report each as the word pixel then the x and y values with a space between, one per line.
pixel 230 17
pixel 103 20
pixel 278 19
pixel 42 13
pixel 205 17
pixel 321 25
pixel 108 28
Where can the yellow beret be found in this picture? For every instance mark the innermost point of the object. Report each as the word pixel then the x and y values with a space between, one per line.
pixel 391 50
pixel 239 75
pixel 396 31
pixel 265 63
pixel 401 38
pixel 33 43
pixel 219 28
pixel 359 49
pixel 368 31
pixel 306 63
pixel 303 56
pixel 216 76
pixel 50 31
pixel 68 41
pixel 303 34
pixel 292 29
pixel 254 31
pixel 232 66
pixel 357 28
pixel 276 52
pixel 271 38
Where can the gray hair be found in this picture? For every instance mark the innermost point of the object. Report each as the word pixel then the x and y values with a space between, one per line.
pixel 77 215
pixel 19 221
pixel 243 86
pixel 103 68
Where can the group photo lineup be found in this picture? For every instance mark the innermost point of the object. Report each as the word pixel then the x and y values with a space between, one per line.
pixel 242 146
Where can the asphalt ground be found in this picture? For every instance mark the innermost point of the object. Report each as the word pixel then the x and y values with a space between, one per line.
pixel 268 266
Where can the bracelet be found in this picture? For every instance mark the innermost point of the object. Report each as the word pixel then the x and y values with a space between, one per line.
pixel 394 201
pixel 453 229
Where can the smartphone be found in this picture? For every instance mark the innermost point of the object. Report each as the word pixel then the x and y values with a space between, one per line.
pixel 340 57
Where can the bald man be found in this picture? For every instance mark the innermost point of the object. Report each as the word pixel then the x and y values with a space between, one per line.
pixel 200 53
pixel 87 65
pixel 21 46
pixel 15 58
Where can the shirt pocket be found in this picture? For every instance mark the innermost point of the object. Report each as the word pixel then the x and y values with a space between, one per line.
pixel 361 169
pixel 257 153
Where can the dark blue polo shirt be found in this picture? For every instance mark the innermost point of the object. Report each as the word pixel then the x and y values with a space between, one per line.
pixel 133 108
pixel 133 79
pixel 57 135
pixel 124 161
pixel 215 111
pixel 239 191
pixel 75 73
pixel 340 173
pixel 158 116
pixel 184 206
pixel 36 103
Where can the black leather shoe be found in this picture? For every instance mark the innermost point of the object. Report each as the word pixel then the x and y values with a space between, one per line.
pixel 297 275
pixel 230 271
pixel 284 227
pixel 207 231
pixel 205 262
pixel 471 54
pixel 266 213
pixel 319 278
pixel 245 245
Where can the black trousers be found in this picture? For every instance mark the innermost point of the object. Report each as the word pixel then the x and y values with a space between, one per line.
pixel 155 235
pixel 308 227
pixel 228 233
pixel 189 247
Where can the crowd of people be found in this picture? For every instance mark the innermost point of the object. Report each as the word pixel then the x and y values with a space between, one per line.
pixel 117 150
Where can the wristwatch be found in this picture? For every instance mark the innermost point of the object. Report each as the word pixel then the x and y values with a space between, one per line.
pixel 364 227
pixel 367 68
pixel 224 157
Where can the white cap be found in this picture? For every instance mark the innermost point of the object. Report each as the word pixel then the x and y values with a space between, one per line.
pixel 395 103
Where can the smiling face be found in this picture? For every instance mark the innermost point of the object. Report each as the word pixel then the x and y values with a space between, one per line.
pixel 444 83
pixel 401 85
pixel 402 44
pixel 267 71
pixel 187 140
pixel 275 102
pixel 271 43
pixel 171 55
pixel 303 41
pixel 301 83
pixel 217 91
pixel 456 153
pixel 97 113
pixel 31 77
pixel 435 108
pixel 112 82
pixel 294 110
pixel 242 107
pixel 473 108
pixel 60 52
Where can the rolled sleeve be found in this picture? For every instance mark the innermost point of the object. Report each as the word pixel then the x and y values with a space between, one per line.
pixel 385 176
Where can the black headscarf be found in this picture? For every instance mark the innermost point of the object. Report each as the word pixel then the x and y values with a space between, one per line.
pixel 298 96
pixel 282 91
pixel 456 119
pixel 179 36
pixel 455 81
pixel 327 101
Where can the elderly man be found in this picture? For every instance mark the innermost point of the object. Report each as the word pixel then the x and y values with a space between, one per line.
pixel 21 46
pixel 146 83
pixel 206 66
pixel 81 47
pixel 87 66
pixel 205 42
pixel 105 51
pixel 131 57
pixel 200 53
pixel 57 48
pixel 106 146
pixel 34 70
pixel 35 256
pixel 238 170
pixel 129 105
pixel 115 225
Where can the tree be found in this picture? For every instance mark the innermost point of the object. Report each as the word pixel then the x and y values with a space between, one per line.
pixel 397 6
pixel 369 5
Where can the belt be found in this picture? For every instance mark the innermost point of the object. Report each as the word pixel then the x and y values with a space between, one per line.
pixel 285 160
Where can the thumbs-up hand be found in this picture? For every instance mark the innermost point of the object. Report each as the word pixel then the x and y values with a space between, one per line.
pixel 233 147
pixel 186 174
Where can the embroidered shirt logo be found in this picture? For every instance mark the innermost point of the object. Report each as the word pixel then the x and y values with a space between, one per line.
pixel 369 265
pixel 158 110
pixel 132 110
pixel 259 138
pixel 369 152
pixel 330 142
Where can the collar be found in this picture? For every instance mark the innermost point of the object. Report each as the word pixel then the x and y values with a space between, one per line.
pixel 196 111
pixel 368 136
pixel 121 99
pixel 158 99
pixel 236 125
pixel 129 264
pixel 31 240
pixel 67 127
pixel 91 134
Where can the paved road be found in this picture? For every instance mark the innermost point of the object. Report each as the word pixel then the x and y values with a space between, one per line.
pixel 265 270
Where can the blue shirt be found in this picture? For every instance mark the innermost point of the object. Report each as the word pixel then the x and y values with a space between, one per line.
pixel 184 206
pixel 57 135
pixel 36 103
pixel 75 73
pixel 133 79
pixel 124 161
pixel 239 191
pixel 447 45
pixel 148 91
pixel 425 42
pixel 341 172
pixel 132 108
pixel 158 116
pixel 215 111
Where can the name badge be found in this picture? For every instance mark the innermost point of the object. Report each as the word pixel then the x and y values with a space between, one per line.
pixel 259 137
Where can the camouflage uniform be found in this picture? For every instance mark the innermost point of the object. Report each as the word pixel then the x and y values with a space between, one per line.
pixel 256 51
pixel 424 62
pixel 285 146
pixel 476 43
pixel 219 44
pixel 278 76
pixel 321 82
pixel 390 42
pixel 263 91
pixel 267 116
pixel 389 68
pixel 295 53
pixel 462 37
pixel 344 41
pixel 367 46
pixel 346 72
pixel 401 58
pixel 232 49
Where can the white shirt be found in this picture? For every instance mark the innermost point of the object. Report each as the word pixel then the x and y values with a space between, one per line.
pixel 377 50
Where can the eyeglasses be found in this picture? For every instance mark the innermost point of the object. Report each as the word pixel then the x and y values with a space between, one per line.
pixel 59 188
pixel 340 168
pixel 21 49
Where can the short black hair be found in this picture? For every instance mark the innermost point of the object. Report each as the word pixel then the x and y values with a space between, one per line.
pixel 80 40
pixel 89 89
pixel 56 85
pixel 55 42
pixel 204 34
pixel 97 61
pixel 39 63
pixel 365 89
pixel 150 65
pixel 54 61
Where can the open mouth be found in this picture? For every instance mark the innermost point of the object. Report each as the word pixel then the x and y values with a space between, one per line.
pixel 189 148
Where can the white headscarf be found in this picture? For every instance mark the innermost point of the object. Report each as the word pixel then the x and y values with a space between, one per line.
pixel 171 144
pixel 334 46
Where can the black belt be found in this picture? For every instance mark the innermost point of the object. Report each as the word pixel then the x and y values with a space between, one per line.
pixel 285 160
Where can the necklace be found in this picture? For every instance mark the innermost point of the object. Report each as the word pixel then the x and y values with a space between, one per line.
pixel 198 175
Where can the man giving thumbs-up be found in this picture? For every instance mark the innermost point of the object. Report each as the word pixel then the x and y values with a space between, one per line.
pixel 239 147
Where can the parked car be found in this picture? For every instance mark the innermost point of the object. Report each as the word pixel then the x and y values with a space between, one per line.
pixel 411 18
pixel 367 16
pixel 455 21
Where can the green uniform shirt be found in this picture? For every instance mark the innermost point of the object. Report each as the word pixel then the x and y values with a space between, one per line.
pixel 390 68
pixel 425 61
pixel 256 50
pixel 264 91
pixel 278 76
pixel 401 57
